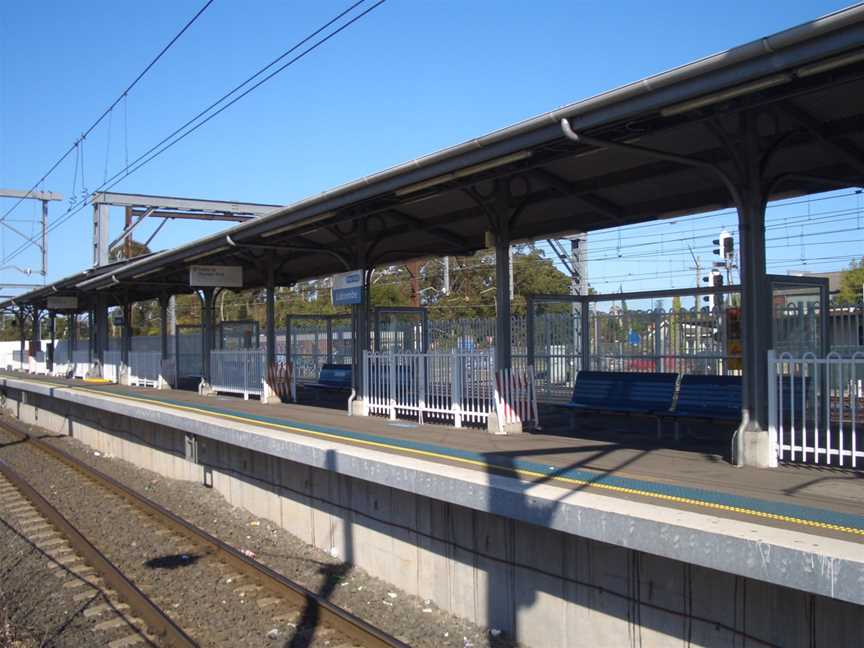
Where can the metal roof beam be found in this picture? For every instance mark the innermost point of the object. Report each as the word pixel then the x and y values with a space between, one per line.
pixel 850 153
pixel 205 216
pixel 605 207
pixel 438 232
pixel 186 204
pixel 35 195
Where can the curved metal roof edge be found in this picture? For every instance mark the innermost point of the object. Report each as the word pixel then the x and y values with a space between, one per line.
pixel 70 281
pixel 768 45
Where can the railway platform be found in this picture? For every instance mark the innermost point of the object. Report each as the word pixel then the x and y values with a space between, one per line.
pixel 481 523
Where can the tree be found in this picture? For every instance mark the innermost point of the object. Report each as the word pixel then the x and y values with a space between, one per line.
pixel 128 250
pixel 851 283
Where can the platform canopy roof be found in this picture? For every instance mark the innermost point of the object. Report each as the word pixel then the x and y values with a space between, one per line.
pixel 801 89
pixel 65 287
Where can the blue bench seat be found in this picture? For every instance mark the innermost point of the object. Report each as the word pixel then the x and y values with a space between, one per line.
pixel 623 392
pixel 333 377
pixel 709 397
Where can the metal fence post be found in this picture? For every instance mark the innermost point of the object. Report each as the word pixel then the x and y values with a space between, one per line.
pixel 364 388
pixel 585 315
pixel 773 441
pixel 658 343
pixel 329 339
pixel 392 385
pixel 421 386
pixel 456 389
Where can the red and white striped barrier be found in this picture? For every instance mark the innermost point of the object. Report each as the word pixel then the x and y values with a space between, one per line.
pixel 515 399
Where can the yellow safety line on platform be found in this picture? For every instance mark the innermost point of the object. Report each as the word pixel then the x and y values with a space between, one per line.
pixel 517 471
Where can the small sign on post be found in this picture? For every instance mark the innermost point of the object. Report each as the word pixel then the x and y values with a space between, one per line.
pixel 347 288
pixel 216 276
pixel 62 303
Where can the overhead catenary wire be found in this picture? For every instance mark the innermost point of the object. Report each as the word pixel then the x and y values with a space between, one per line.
pixel 108 110
pixel 199 120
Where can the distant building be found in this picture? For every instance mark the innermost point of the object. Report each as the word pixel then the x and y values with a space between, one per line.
pixel 834 278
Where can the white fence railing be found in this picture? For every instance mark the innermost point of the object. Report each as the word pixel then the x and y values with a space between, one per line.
pixel 454 388
pixel 816 408
pixel 238 372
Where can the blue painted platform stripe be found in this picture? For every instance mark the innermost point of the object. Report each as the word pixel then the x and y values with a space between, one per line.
pixel 782 511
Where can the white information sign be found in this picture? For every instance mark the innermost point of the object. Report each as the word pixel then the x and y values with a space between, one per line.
pixel 347 288
pixel 62 303
pixel 216 276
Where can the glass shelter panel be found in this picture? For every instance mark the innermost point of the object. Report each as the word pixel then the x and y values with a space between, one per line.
pixel 401 330
pixel 238 334
pixel 189 351
pixel 799 306
pixel 316 340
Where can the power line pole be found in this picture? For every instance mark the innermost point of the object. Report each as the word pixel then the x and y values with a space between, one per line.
pixel 697 266
pixel 44 197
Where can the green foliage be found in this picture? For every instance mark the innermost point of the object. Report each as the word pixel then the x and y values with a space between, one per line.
pixel 852 283
pixel 136 249
pixel 472 294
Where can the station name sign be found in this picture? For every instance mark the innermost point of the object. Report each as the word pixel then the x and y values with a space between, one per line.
pixel 216 276
pixel 62 303
pixel 347 288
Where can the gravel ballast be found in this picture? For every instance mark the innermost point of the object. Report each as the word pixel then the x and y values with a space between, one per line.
pixel 43 601
pixel 415 621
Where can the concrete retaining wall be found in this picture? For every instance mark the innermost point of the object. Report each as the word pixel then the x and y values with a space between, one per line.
pixel 545 587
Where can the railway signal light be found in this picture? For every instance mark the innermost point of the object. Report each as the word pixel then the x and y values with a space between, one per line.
pixel 725 245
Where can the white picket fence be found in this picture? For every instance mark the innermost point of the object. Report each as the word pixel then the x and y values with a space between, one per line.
pixel 816 408
pixel 452 388
pixel 238 372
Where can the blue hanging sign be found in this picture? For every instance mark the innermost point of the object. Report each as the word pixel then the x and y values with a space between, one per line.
pixel 633 337
pixel 347 288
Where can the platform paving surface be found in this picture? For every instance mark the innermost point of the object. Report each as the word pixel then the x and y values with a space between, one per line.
pixel 820 500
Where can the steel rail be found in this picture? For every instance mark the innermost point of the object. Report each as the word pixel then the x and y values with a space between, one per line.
pixel 328 613
pixel 157 620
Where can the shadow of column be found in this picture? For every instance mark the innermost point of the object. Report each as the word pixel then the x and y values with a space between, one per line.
pixel 333 574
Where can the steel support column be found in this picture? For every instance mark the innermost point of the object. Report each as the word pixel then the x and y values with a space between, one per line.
pixel 36 334
pixel 52 341
pixel 99 333
pixel 270 329
pixel 23 332
pixel 72 334
pixel 126 333
pixel 208 312
pixel 503 350
pixel 360 315
pixel 164 301
pixel 360 324
pixel 752 445
pixel 91 337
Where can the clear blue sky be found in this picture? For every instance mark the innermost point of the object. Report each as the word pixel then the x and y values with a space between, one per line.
pixel 408 79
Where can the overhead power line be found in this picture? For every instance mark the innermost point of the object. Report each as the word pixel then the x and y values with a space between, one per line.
pixel 110 108
pixel 199 119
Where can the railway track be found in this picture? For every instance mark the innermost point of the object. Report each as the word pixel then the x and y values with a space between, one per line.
pixel 79 564
pixel 252 580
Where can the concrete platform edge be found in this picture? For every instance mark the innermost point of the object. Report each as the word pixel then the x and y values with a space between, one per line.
pixel 825 566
